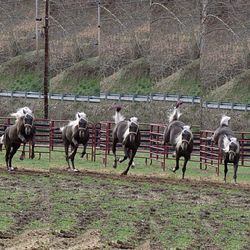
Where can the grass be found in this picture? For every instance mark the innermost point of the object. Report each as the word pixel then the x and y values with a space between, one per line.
pixel 185 81
pixel 133 78
pixel 236 90
pixel 83 78
pixel 127 213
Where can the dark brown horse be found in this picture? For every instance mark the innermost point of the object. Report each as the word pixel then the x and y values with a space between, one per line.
pixel 225 139
pixel 178 134
pixel 21 132
pixel 73 134
pixel 127 133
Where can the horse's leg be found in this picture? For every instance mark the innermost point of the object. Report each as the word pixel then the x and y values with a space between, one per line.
pixel 84 150
pixel 33 148
pixel 7 156
pixel 72 158
pixel 177 163
pixel 73 151
pixel 235 171
pixel 66 149
pixel 184 167
pixel 114 152
pixel 130 161
pixel 129 156
pixel 225 170
pixel 12 152
pixel 126 154
pixel 22 156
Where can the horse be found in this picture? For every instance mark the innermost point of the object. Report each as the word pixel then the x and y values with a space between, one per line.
pixel 178 134
pixel 73 134
pixel 20 132
pixel 127 133
pixel 225 139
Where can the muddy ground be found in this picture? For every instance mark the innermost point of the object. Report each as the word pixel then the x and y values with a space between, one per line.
pixel 89 210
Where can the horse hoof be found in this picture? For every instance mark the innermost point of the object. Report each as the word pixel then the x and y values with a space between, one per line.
pixel 123 173
pixel 75 170
pixel 21 158
pixel 133 165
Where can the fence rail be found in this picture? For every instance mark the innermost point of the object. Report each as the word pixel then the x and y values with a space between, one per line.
pixel 129 98
pixel 48 139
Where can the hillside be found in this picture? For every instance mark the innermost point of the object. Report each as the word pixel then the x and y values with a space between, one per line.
pixel 185 81
pixel 236 90
pixel 141 49
pixel 23 72
pixel 83 78
pixel 133 78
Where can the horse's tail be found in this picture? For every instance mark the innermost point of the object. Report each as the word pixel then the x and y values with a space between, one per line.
pixel 224 120
pixel 118 117
pixel 1 142
pixel 175 115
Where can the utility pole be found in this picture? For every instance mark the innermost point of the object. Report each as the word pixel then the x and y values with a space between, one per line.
pixel 99 26
pixel 46 61
pixel 37 42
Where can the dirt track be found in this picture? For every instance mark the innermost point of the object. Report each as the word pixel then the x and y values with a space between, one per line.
pixel 134 178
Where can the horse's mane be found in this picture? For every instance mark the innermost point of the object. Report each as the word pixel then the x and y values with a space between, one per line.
pixel 118 117
pixel 224 120
pixel 227 142
pixel 134 120
pixel 22 112
pixel 175 115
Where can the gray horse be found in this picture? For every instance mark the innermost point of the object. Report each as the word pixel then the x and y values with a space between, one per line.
pixel 20 132
pixel 178 134
pixel 225 139
pixel 127 133
pixel 73 134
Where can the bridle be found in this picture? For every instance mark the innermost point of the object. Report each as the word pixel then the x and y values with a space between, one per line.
pixel 27 125
pixel 80 128
pixel 136 132
pixel 187 141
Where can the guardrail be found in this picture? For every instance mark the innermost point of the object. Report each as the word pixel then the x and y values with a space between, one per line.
pixel 129 98
pixel 51 96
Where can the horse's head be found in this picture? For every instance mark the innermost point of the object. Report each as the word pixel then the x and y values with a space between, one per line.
pixel 184 138
pixel 231 147
pixel 28 123
pixel 82 124
pixel 133 128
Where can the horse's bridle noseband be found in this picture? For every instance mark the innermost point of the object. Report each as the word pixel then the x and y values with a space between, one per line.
pixel 82 129
pixel 187 141
pixel 232 152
